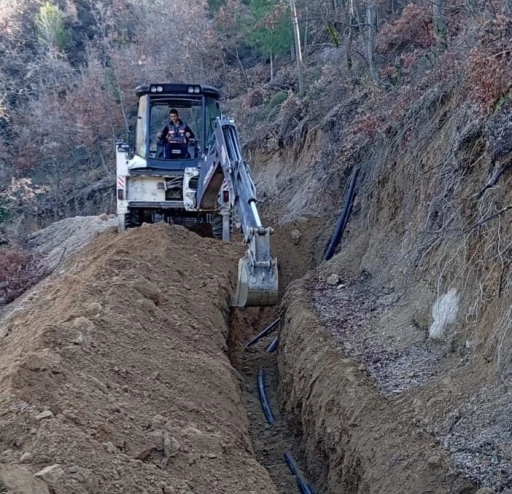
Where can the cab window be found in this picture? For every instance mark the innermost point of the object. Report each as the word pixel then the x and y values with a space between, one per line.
pixel 140 137
pixel 212 112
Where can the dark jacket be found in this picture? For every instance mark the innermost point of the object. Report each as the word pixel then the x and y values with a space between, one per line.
pixel 175 134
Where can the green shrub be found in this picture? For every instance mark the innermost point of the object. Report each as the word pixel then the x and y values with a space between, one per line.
pixel 51 32
pixel 276 99
pixel 4 209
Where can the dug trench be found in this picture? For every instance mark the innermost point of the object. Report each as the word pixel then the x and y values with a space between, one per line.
pixel 127 374
pixel 346 434
pixel 295 255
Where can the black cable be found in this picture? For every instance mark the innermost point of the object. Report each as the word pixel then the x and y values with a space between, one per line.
pixel 272 347
pixel 343 219
pixel 266 331
pixel 264 400
pixel 291 463
pixel 304 487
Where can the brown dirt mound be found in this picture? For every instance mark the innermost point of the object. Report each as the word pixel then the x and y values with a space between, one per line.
pixel 116 375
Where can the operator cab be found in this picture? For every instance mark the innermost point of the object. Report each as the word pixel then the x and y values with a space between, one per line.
pixel 197 107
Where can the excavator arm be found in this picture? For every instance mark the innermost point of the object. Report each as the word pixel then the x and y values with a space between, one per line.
pixel 257 270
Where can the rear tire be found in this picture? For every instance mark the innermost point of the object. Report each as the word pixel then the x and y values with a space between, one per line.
pixel 222 226
pixel 133 218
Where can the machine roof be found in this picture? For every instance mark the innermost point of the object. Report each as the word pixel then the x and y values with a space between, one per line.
pixel 178 89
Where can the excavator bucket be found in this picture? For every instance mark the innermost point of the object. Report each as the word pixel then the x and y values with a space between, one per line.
pixel 256 285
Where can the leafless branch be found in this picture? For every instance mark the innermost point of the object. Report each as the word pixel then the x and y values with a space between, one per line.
pixel 494 179
pixel 488 218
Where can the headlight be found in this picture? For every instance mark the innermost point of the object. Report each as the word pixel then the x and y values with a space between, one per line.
pixel 197 90
pixel 159 89
pixel 153 89
pixel 190 89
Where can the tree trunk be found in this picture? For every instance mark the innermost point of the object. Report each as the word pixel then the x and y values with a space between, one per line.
pixel 370 43
pixel 298 50
pixel 439 25
pixel 305 44
pixel 244 73
pixel 352 21
pixel 356 13
pixel 271 66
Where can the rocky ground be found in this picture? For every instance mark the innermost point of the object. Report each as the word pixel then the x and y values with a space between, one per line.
pixel 446 394
pixel 353 439
pixel 54 244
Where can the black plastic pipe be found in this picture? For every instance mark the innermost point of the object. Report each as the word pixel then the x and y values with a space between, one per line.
pixel 264 400
pixel 304 487
pixel 343 219
pixel 266 331
pixel 291 463
pixel 272 347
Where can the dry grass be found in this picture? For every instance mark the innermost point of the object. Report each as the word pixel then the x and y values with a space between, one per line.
pixel 18 272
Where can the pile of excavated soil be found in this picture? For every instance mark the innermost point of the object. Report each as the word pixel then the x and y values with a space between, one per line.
pixel 115 377
pixel 62 239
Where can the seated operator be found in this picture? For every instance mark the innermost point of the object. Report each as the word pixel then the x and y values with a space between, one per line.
pixel 176 135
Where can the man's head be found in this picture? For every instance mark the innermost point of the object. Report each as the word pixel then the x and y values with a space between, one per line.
pixel 173 115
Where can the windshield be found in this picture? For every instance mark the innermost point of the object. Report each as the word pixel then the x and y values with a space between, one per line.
pixel 175 128
pixel 212 112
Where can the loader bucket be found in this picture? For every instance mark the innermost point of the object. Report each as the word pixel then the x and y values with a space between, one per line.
pixel 256 285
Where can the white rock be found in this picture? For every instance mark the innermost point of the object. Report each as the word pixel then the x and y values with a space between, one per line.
pixel 82 324
pixel 79 340
pixel 47 414
pixel 25 457
pixel 333 279
pixel 296 235
pixel 109 446
pixel 50 474
pixel 18 479
pixel 157 421
pixel 444 312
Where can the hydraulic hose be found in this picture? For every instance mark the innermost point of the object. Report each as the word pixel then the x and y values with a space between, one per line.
pixel 264 400
pixel 266 331
pixel 272 347
pixel 343 219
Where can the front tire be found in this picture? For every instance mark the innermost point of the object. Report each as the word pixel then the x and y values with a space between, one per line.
pixel 121 223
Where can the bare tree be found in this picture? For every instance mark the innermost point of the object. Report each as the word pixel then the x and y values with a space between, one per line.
pixel 440 32
pixel 371 21
pixel 298 48
pixel 354 21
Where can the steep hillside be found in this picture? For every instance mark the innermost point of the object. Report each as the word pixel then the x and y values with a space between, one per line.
pixel 393 370
pixel 420 297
